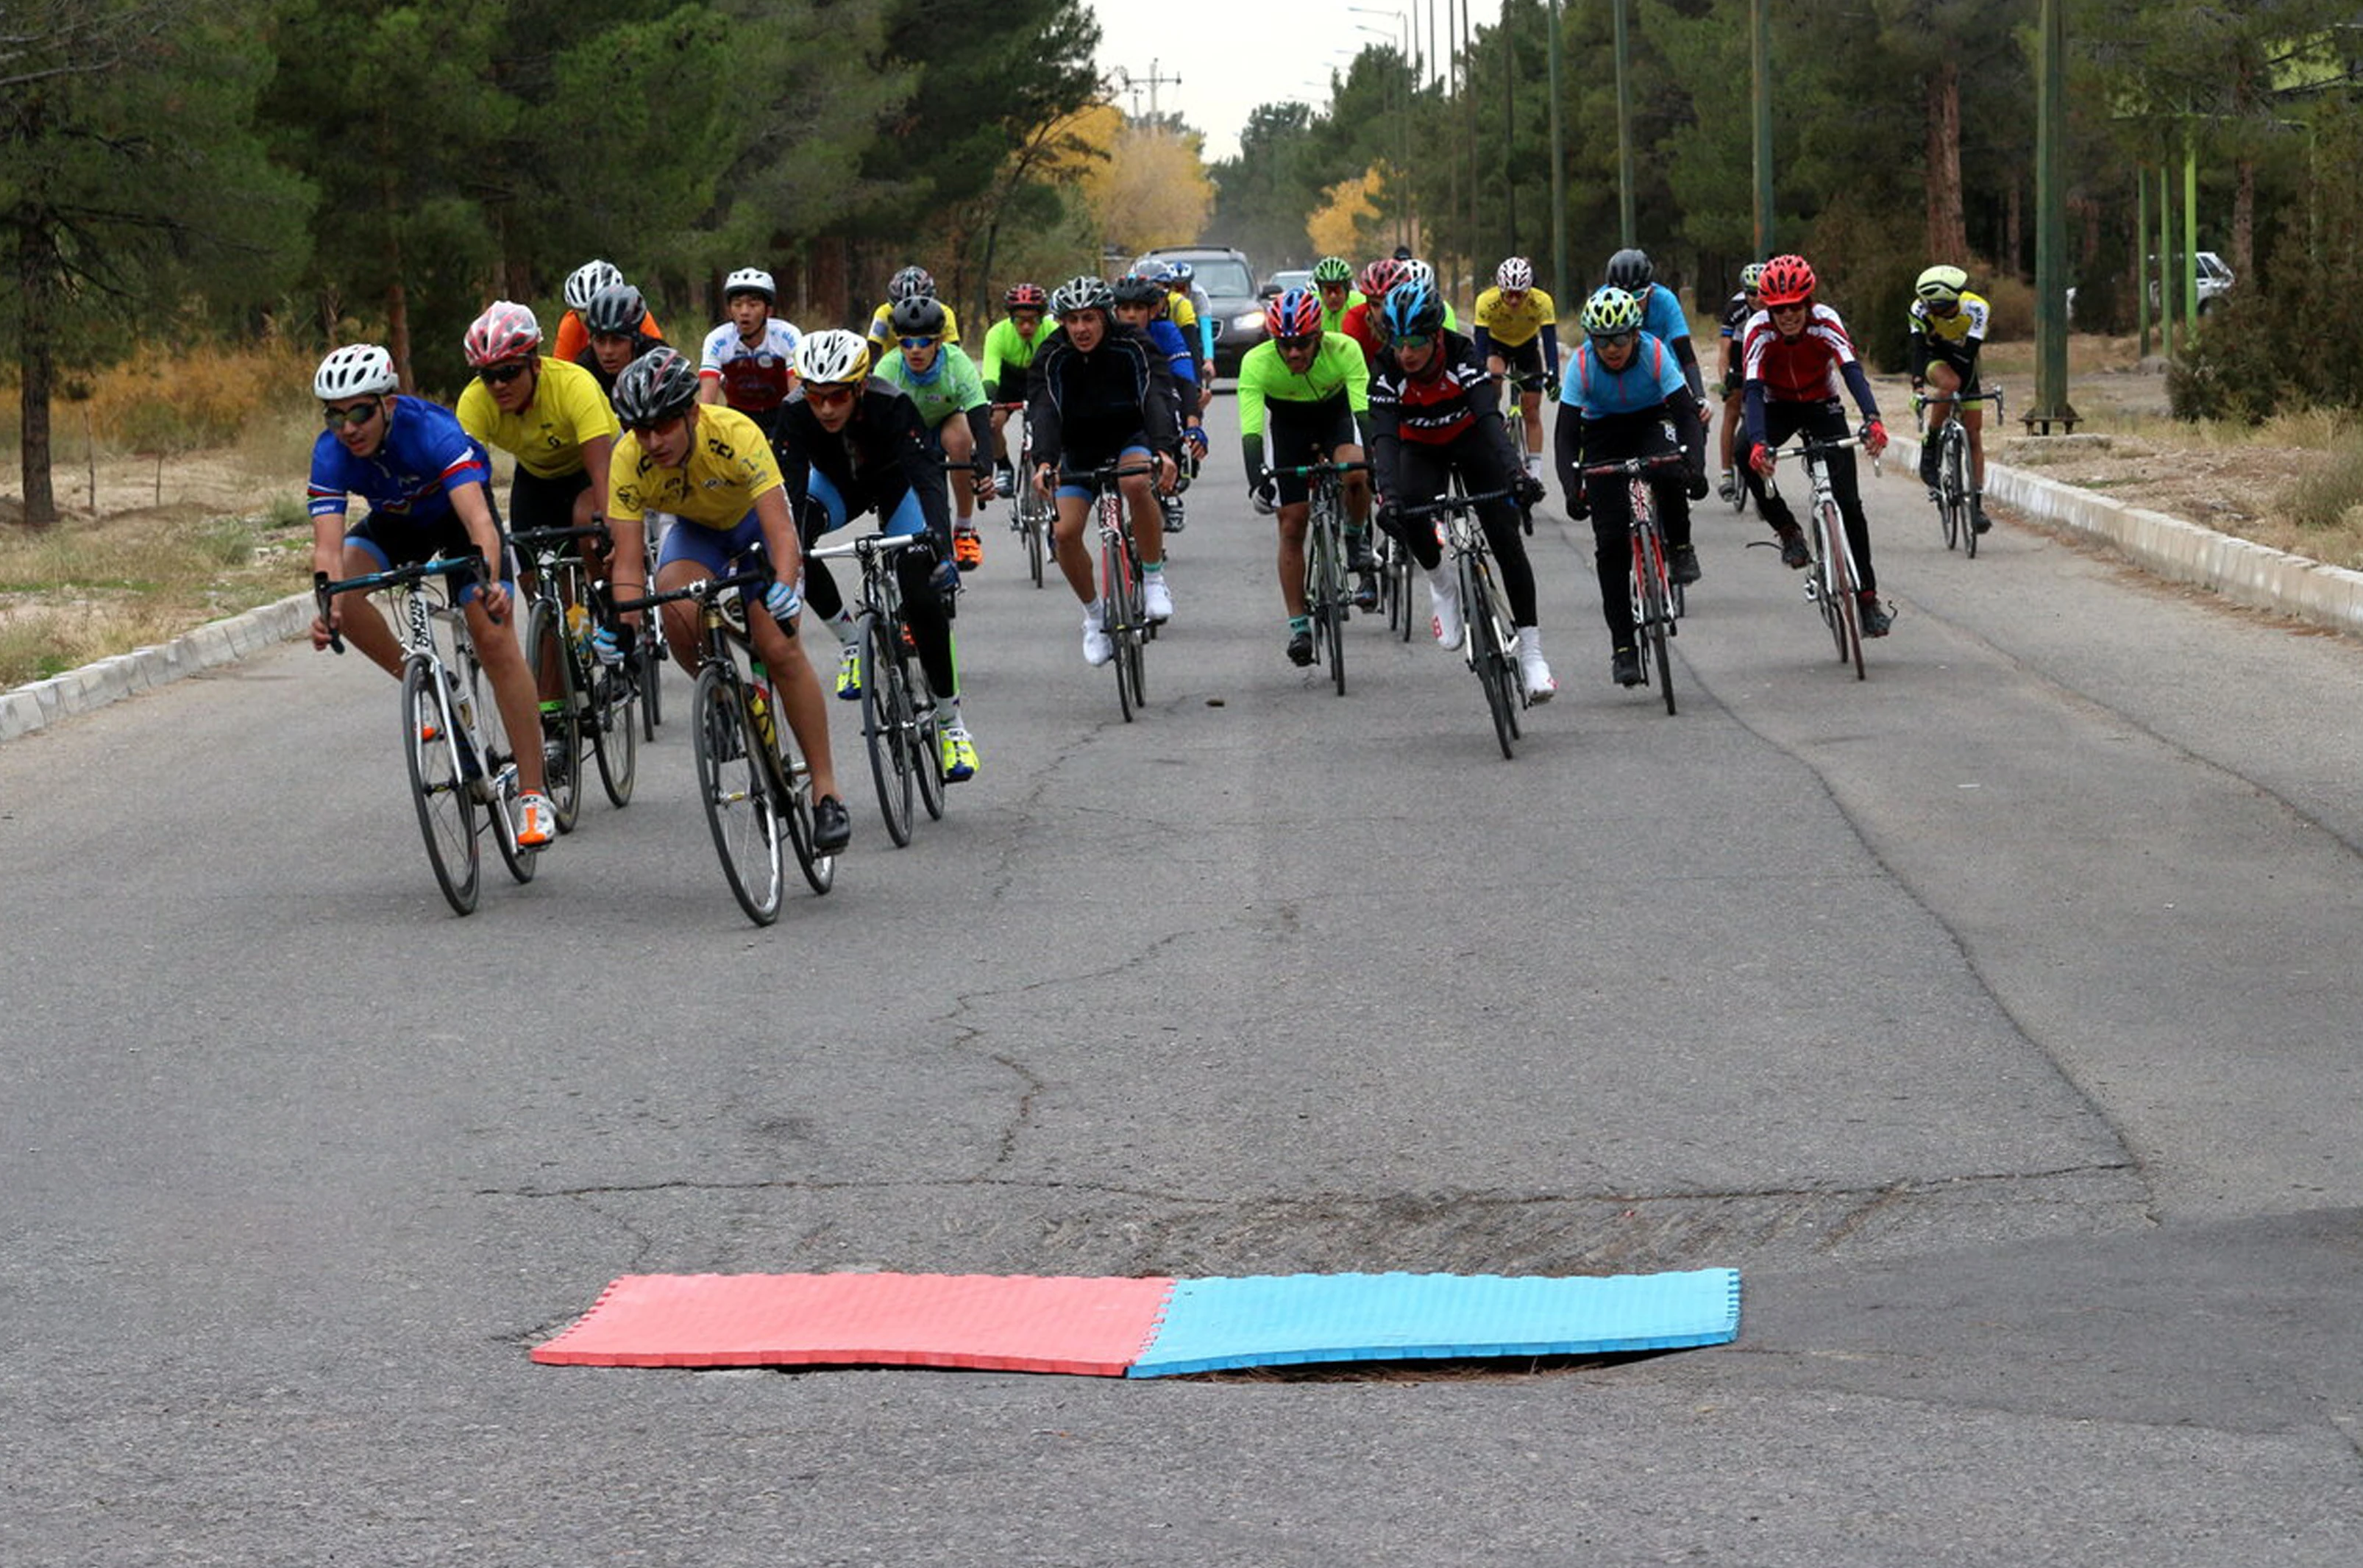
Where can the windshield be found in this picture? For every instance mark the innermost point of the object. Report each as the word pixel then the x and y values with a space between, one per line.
pixel 1225 277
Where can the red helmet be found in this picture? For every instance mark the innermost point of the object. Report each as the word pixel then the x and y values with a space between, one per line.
pixel 1296 314
pixel 1787 280
pixel 505 331
pixel 1381 276
pixel 1027 296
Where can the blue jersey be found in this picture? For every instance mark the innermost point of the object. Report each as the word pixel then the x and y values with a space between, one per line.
pixel 1168 340
pixel 423 458
pixel 1650 377
pixel 1661 313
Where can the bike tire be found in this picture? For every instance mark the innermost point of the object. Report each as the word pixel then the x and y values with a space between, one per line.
pixel 791 778
pixel 927 761
pixel 1115 613
pixel 1484 657
pixel 1956 457
pixel 885 719
pixel 1652 609
pixel 500 767
pixel 1329 585
pixel 615 732
pixel 447 807
pixel 1848 624
pixel 648 678
pixel 561 715
pixel 741 809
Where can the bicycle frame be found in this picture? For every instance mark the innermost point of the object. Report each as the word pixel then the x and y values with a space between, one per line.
pixel 1830 583
pixel 1657 598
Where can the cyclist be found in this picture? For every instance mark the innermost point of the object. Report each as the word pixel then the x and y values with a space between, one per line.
pixel 1360 322
pixel 1193 313
pixel 427 483
pixel 1433 412
pixel 1332 280
pixel 1794 355
pixel 1009 348
pixel 1415 270
pixel 1100 394
pixel 1661 315
pixel 549 414
pixel 573 327
pixel 1517 330
pixel 616 319
pixel 1312 383
pixel 1142 305
pixel 1948 328
pixel 939 378
pixel 711 468
pixel 1625 398
pixel 749 361
pixel 911 282
pixel 1735 311
pixel 850 442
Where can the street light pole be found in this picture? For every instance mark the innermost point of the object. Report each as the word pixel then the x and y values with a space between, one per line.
pixel 1625 214
pixel 1759 53
pixel 1558 169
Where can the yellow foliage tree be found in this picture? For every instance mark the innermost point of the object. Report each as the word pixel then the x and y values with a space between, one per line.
pixel 1341 226
pixel 1152 189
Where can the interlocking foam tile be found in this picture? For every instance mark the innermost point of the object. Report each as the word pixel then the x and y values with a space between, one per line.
pixel 1093 1327
pixel 1211 1324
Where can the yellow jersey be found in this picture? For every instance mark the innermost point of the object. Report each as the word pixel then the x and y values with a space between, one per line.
pixel 1515 325
pixel 547 436
pixel 729 466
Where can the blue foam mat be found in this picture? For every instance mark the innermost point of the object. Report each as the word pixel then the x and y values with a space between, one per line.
pixel 1213 1324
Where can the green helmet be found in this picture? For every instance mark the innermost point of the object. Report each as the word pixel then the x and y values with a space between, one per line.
pixel 1941 285
pixel 1611 311
pixel 1333 270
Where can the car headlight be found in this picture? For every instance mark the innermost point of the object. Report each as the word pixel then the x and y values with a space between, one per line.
pixel 1251 322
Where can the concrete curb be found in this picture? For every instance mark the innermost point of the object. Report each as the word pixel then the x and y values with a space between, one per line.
pixel 2249 574
pixel 93 686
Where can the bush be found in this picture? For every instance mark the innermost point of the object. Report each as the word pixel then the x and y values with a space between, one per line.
pixel 2321 499
pixel 2012 303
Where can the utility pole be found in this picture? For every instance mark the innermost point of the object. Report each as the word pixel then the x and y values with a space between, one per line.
pixel 2051 404
pixel 1509 133
pixel 1561 283
pixel 1759 51
pixel 1131 86
pixel 1627 224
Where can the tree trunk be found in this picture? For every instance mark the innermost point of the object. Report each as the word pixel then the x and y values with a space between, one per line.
pixel 397 332
pixel 37 362
pixel 2013 230
pixel 1948 236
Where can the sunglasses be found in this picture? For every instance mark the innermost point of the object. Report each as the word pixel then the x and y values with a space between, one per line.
pixel 918 342
pixel 1335 286
pixel 1027 317
pixel 353 414
pixel 828 397
pixel 1612 339
pixel 500 375
pixel 1796 309
pixel 644 433
pixel 1297 345
pixel 1414 341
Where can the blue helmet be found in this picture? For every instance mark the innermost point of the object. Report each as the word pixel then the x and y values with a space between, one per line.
pixel 1413 309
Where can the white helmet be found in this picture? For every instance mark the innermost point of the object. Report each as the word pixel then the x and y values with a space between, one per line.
pixel 834 357
pixel 1415 271
pixel 750 280
pixel 588 279
pixel 357 370
pixel 1514 274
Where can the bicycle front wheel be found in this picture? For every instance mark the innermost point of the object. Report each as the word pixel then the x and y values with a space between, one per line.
pixel 499 766
pixel 1485 654
pixel 562 711
pixel 439 784
pixel 739 806
pixel 1845 589
pixel 1326 595
pixel 1652 607
pixel 615 732
pixel 1957 459
pixel 885 721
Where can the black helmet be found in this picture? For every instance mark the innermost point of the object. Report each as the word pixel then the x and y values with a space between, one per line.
pixel 1630 270
pixel 918 317
pixel 655 387
pixel 616 309
pixel 1134 289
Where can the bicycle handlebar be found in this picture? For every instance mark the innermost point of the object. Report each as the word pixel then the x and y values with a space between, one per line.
pixel 535 537
pixel 868 545
pixel 1660 462
pixel 1312 470
pixel 703 588
pixel 324 591
pixel 1444 504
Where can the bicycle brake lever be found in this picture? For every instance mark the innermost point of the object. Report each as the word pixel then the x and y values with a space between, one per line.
pixel 327 619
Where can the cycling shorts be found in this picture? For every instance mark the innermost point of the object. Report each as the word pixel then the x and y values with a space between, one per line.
pixel 716 549
pixel 1298 438
pixel 395 542
pixel 1523 358
pixel 1075 467
pixel 538 503
pixel 826 510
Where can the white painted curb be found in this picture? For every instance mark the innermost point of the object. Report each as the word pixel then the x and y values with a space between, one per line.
pixel 93 686
pixel 2246 573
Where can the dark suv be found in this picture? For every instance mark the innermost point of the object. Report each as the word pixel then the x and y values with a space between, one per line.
pixel 1228 281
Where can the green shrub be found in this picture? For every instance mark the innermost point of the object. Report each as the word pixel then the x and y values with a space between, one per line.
pixel 2321 499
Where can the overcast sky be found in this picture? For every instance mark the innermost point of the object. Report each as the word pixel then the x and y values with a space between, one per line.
pixel 1232 55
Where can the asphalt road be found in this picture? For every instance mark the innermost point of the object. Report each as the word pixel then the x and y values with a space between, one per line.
pixel 1995 1016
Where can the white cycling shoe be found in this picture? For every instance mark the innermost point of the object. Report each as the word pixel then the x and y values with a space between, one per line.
pixel 1444 605
pixel 1540 687
pixel 1098 647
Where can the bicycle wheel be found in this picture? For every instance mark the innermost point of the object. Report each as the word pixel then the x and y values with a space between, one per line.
pixel 925 734
pixel 438 785
pixel 1034 526
pixel 615 731
pixel 1118 605
pixel 740 807
pixel 1326 598
pixel 1652 613
pixel 562 710
pixel 1484 653
pixel 647 662
pixel 885 718
pixel 791 780
pixel 1957 460
pixel 1848 624
pixel 500 767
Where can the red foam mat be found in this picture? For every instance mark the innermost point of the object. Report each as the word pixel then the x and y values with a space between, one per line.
pixel 1090 1327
